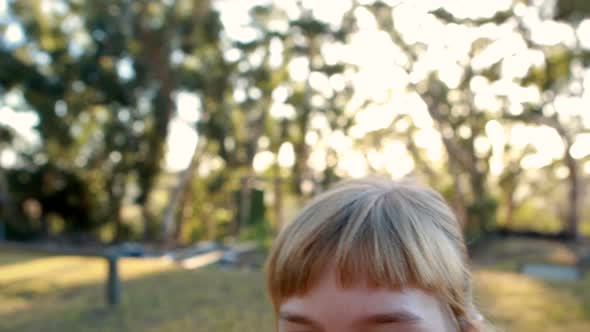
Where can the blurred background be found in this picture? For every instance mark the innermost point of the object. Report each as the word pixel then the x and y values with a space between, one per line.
pixel 175 129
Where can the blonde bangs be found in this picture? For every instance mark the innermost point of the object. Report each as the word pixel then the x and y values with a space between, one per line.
pixel 386 234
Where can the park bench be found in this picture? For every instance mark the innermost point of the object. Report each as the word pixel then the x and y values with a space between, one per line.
pixel 111 254
pixel 189 258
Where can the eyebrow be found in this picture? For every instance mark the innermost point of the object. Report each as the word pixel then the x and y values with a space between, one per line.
pixel 390 318
pixel 374 319
pixel 297 319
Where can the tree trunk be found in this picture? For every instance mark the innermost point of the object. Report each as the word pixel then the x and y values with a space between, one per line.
pixel 301 170
pixel 573 205
pixel 115 213
pixel 278 201
pixel 186 212
pixel 246 185
pixel 116 192
pixel 510 207
pixel 116 210
pixel 156 52
pixel 573 214
pixel 147 221
pixel 44 226
pixel 479 207
pixel 458 200
pixel 170 212
pixel 8 214
pixel 176 193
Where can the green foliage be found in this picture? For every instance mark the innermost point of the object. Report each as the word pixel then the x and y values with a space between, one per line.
pixel 57 192
pixel 532 216
pixel 572 9
pixel 102 77
pixel 482 217
pixel 251 203
pixel 262 233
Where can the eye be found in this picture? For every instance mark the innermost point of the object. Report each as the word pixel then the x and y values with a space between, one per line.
pixel 296 327
pixel 397 327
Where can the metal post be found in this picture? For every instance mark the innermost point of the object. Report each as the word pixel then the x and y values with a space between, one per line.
pixel 113 282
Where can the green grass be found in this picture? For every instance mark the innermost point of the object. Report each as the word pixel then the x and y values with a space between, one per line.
pixel 67 294
pixel 515 302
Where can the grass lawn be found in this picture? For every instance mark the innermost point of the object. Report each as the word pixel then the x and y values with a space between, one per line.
pixel 50 294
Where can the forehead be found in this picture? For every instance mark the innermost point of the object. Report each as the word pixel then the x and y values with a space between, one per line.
pixel 336 308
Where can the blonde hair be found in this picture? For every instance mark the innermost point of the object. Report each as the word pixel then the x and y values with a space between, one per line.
pixel 392 234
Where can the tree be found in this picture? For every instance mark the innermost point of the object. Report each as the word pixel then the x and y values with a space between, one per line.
pixel 106 81
pixel 555 78
pixel 7 213
pixel 458 119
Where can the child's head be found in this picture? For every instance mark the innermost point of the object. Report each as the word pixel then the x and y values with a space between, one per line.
pixel 372 255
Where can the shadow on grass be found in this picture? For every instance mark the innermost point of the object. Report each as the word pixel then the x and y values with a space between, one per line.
pixel 210 300
pixel 213 299
pixel 516 302
pixel 8 258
